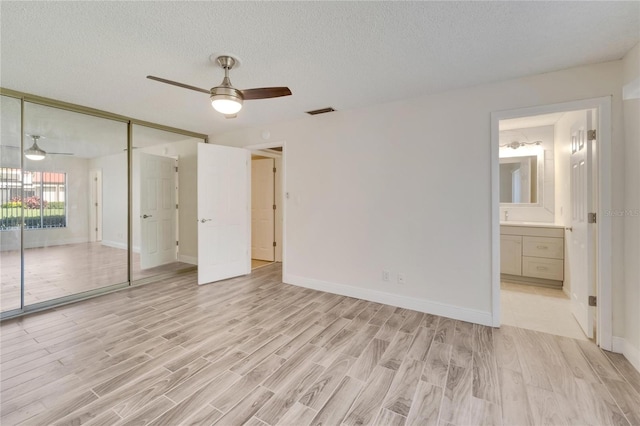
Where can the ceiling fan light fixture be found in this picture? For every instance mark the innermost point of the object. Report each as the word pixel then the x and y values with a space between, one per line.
pixel 35 153
pixel 226 106
pixel 226 100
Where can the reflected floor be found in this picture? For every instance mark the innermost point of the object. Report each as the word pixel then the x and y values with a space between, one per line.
pixel 59 271
pixel 540 309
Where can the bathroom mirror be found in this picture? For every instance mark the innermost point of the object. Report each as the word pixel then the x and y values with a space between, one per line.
pixel 521 179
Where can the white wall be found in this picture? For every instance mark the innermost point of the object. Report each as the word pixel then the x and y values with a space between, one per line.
pixel 406 185
pixel 630 337
pixel 522 212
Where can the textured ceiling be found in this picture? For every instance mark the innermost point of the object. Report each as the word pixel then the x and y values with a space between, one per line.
pixel 340 54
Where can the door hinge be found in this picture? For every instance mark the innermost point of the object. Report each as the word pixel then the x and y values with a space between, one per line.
pixel 176 206
pixel 274 243
pixel 96 204
pixel 274 206
pixel 274 170
pixel 176 169
pixel 591 135
pixel 593 301
pixel 176 243
pixel 591 218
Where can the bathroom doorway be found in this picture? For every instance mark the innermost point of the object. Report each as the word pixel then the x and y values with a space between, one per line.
pixel 548 258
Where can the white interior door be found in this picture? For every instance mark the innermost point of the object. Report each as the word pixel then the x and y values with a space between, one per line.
pixel 581 245
pixel 262 212
pixel 157 211
pixel 223 212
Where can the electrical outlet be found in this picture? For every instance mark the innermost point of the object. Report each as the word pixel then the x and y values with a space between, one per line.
pixel 402 280
pixel 386 275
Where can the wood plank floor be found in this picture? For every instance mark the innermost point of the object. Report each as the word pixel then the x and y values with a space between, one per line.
pixel 255 351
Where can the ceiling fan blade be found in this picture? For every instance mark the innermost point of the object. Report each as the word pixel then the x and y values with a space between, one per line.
pixel 60 153
pixel 175 83
pixel 265 93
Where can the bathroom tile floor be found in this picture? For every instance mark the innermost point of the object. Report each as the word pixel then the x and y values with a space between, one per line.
pixel 540 309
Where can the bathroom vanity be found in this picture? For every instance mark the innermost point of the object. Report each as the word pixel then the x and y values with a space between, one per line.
pixel 532 254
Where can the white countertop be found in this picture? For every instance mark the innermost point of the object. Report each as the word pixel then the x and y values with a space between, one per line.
pixel 531 224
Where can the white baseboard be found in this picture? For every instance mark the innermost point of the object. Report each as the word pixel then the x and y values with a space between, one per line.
pixel 630 352
pixel 119 245
pixel 52 242
pixel 114 244
pixel 421 305
pixel 187 259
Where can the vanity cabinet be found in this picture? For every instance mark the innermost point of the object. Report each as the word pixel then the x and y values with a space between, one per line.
pixel 511 254
pixel 532 254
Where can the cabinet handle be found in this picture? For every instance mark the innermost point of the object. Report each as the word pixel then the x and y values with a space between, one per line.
pixel 542 247
pixel 541 268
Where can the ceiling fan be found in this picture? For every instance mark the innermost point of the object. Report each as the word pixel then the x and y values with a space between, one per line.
pixel 36 153
pixel 225 98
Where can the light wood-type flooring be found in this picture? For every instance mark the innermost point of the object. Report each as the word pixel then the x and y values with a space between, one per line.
pixel 255 351
pixel 58 271
pixel 257 263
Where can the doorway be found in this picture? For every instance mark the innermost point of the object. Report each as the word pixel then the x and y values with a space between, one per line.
pixel 266 206
pixel 549 256
pixel 224 209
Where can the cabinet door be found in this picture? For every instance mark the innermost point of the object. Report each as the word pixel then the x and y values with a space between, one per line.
pixel 511 254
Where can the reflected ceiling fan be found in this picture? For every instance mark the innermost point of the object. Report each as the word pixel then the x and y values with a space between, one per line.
pixel 36 153
pixel 225 98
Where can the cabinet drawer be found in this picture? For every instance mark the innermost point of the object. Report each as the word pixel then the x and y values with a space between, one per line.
pixel 538 267
pixel 552 248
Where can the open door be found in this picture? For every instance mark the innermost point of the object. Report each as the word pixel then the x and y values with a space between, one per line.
pixel 262 209
pixel 582 244
pixel 157 210
pixel 223 213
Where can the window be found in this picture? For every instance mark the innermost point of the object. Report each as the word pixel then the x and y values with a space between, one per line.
pixel 39 196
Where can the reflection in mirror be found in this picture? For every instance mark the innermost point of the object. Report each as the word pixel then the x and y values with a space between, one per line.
pixel 164 217
pixel 10 206
pixel 519 180
pixel 74 203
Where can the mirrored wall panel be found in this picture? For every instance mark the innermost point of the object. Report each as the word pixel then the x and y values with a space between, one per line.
pixel 164 201
pixel 74 203
pixel 10 204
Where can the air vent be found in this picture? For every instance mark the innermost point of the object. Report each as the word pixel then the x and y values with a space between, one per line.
pixel 320 111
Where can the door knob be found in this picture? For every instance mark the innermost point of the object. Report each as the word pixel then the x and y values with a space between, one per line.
pixel 144 216
pixel 204 220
